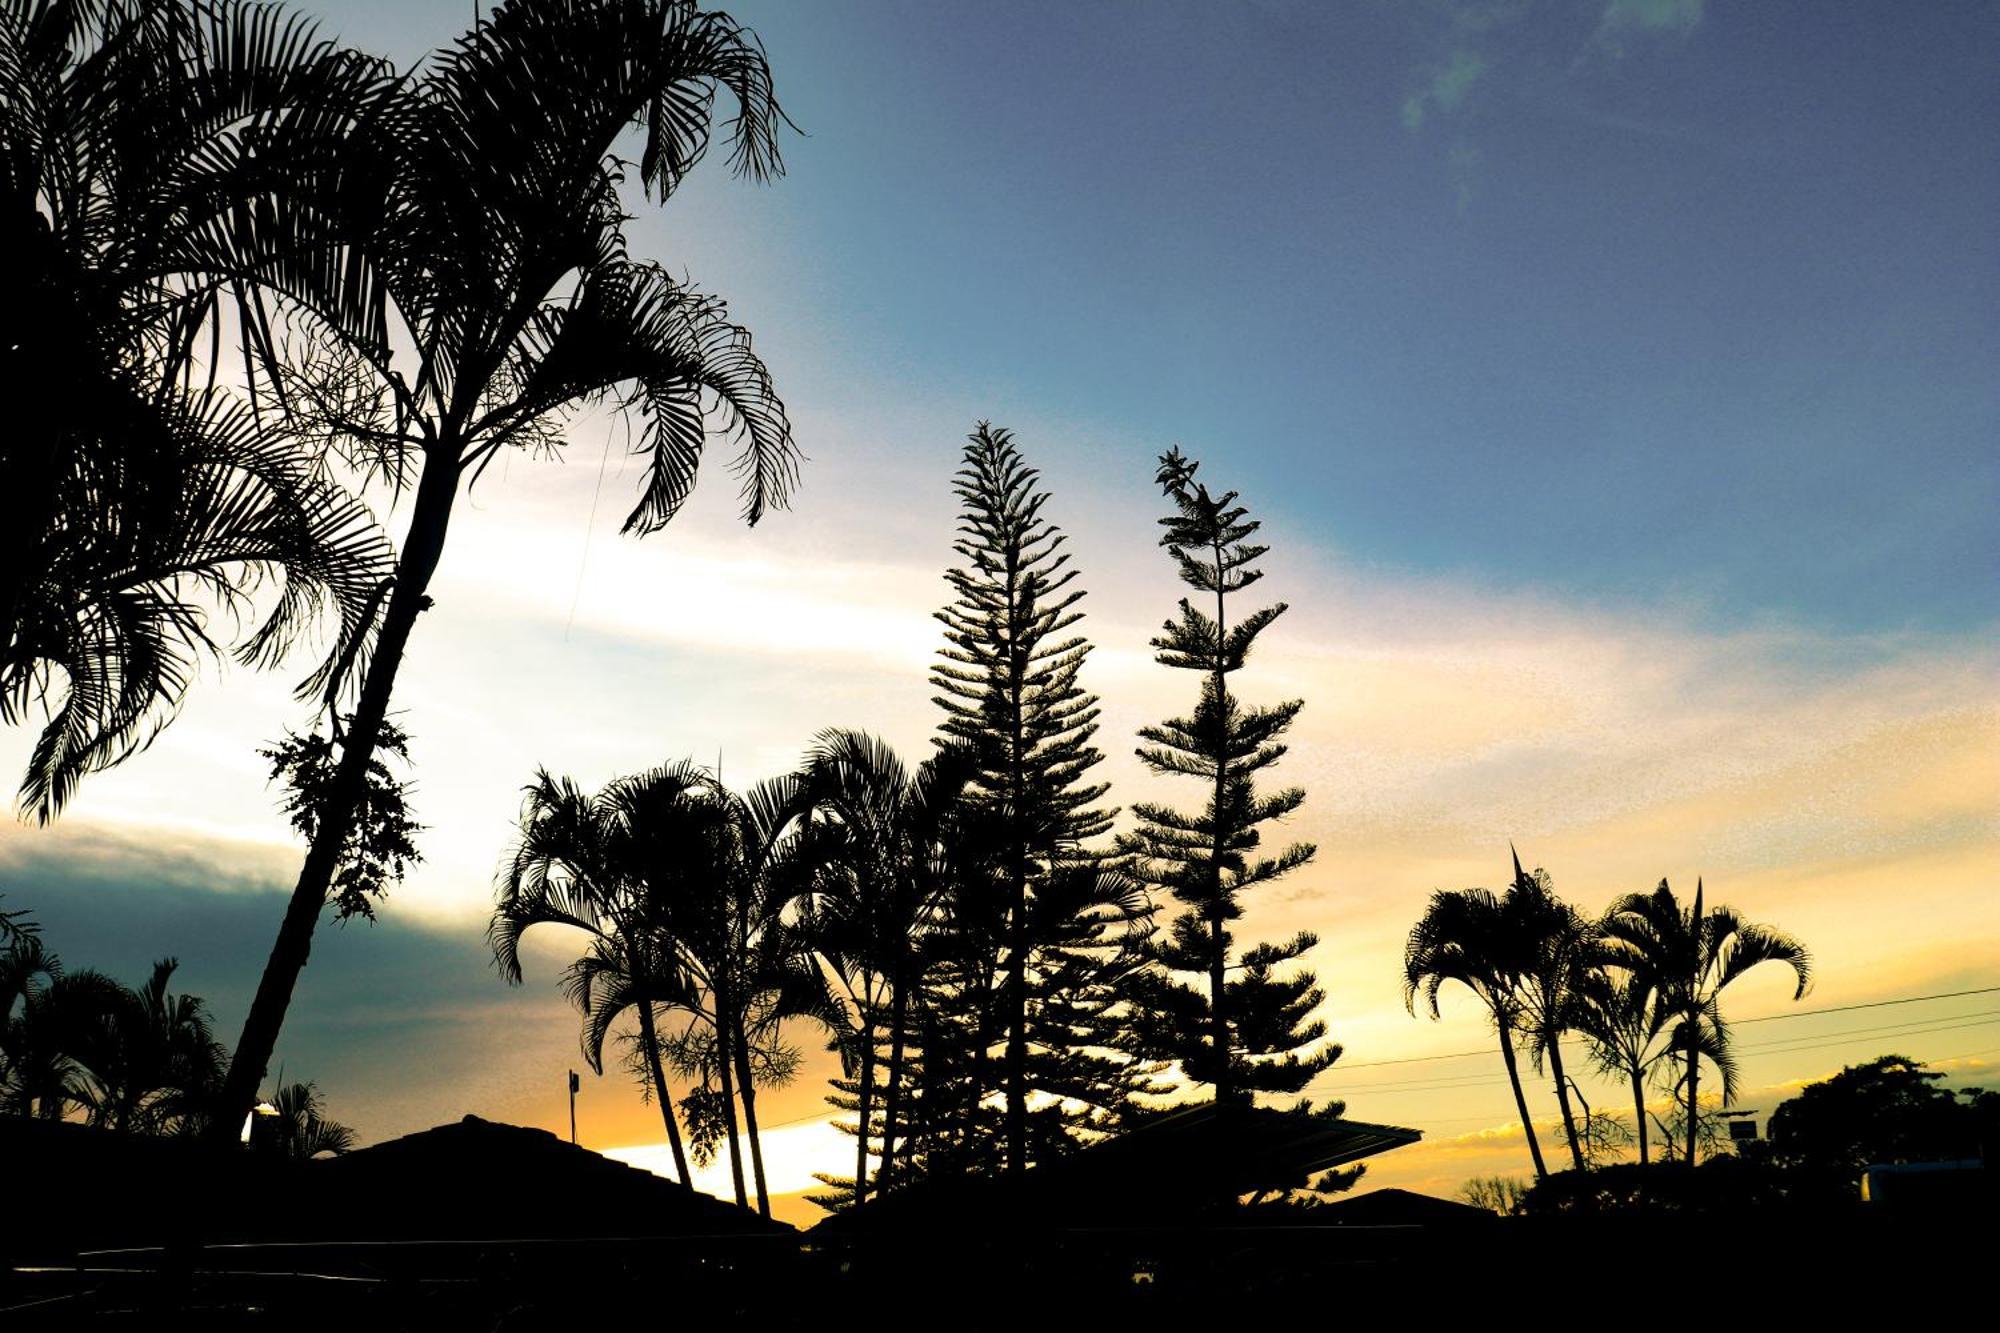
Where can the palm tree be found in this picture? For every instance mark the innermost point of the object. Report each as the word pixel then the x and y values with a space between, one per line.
pixel 296 1125
pixel 1622 1026
pixel 140 1061
pixel 748 866
pixel 1467 936
pixel 27 970
pixel 886 839
pixel 166 169
pixel 147 1059
pixel 496 240
pixel 59 1024
pixel 714 874
pixel 1558 949
pixel 1683 958
pixel 577 864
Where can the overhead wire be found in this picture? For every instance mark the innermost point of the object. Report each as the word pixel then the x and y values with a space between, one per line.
pixel 1347 1066
pixel 1799 1045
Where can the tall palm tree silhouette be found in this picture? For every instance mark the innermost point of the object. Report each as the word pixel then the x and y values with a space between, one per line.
pixel 1467 936
pixel 1684 957
pixel 496 241
pixel 1558 949
pixel 167 169
pixel 738 865
pixel 578 863
pixel 685 888
pixel 886 838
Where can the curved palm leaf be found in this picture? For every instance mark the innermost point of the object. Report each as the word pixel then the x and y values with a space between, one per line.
pixel 1681 958
pixel 168 165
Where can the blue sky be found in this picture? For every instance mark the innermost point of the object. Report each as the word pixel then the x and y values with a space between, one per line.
pixel 1642 301
pixel 1701 310
pixel 1615 380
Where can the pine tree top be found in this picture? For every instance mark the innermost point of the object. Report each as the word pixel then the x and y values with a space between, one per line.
pixel 1007 676
pixel 1207 535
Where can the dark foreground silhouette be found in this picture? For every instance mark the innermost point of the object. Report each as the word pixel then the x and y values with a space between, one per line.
pixel 479 1225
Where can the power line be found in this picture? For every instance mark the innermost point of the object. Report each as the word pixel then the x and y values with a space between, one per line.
pixel 1819 1041
pixel 1878 1028
pixel 1843 1041
pixel 1451 1083
pixel 1877 1004
pixel 1501 1116
pixel 1344 1066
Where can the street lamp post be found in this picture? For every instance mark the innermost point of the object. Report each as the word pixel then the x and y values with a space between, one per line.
pixel 574 1083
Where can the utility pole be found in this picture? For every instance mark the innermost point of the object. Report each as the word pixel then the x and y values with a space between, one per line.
pixel 573 1084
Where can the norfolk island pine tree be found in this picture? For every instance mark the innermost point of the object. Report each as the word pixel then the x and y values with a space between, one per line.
pixel 1256 1033
pixel 1007 682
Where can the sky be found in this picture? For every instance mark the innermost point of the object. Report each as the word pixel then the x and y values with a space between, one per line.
pixel 1614 379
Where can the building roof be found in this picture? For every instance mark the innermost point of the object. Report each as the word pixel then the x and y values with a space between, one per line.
pixel 1402 1208
pixel 1169 1171
pixel 482 1180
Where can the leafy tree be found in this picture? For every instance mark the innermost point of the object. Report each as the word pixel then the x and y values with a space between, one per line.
pixel 381 841
pixel 140 1061
pixel 17 927
pixel 1725 1187
pixel 1007 682
pixel 500 299
pixel 1255 1033
pixel 77 1041
pixel 1501 1194
pixel 167 168
pixel 1890 1109
pixel 1684 958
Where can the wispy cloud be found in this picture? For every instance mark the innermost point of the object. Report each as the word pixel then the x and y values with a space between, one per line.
pixel 1489 53
pixel 1624 21
pixel 1447 89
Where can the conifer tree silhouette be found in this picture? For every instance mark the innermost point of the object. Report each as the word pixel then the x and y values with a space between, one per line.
pixel 1007 682
pixel 1254 1033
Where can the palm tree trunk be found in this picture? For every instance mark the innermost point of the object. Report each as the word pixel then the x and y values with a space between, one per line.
pixel 649 1038
pixel 899 1017
pixel 748 1089
pixel 1562 1100
pixel 1639 1110
pixel 1694 1075
pixel 422 547
pixel 723 1057
pixel 1521 1101
pixel 866 1103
